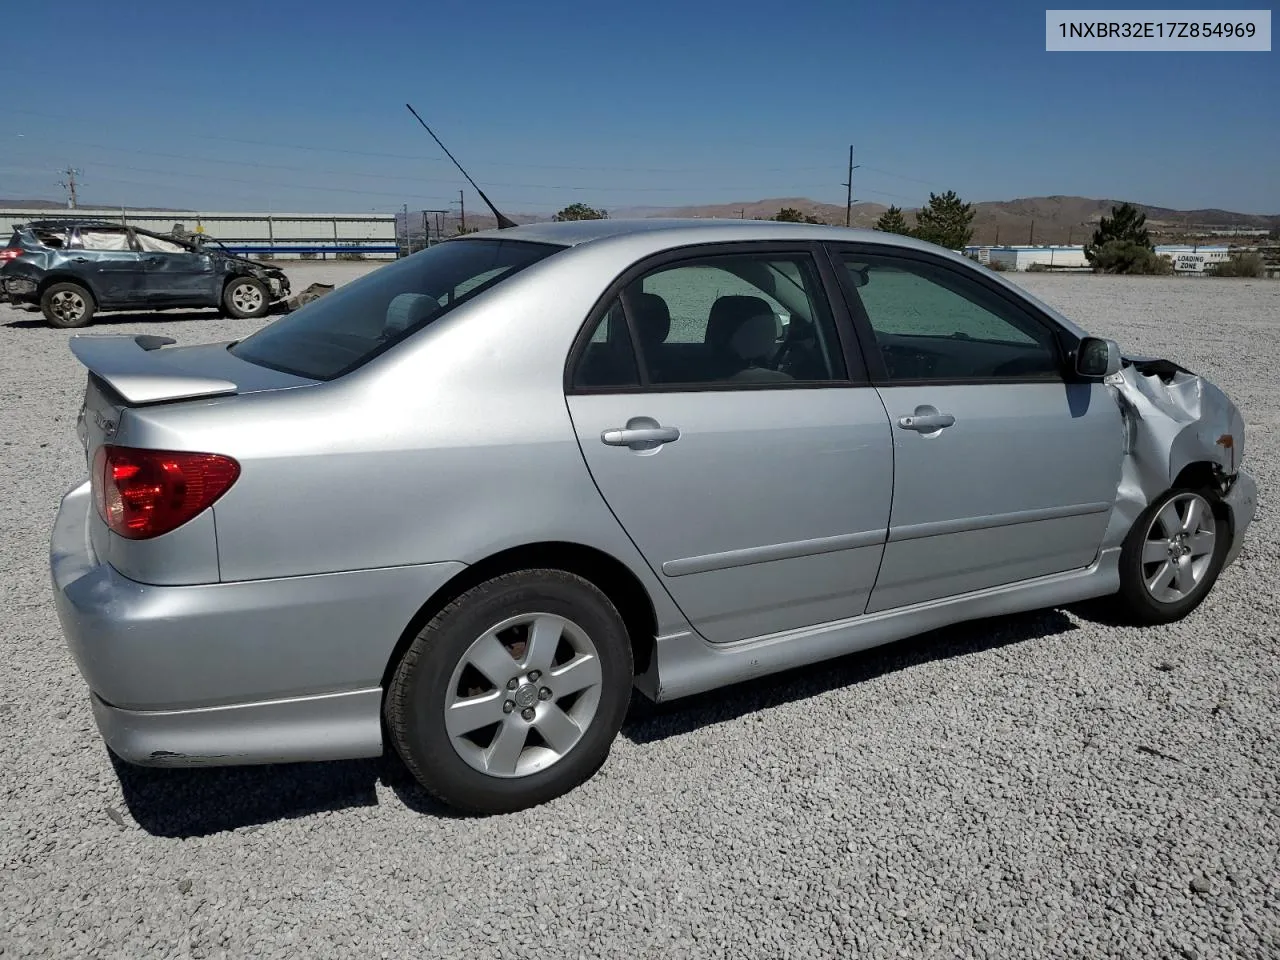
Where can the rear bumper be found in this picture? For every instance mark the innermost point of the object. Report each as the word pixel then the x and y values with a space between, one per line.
pixel 247 672
pixel 18 289
pixel 340 726
pixel 1242 499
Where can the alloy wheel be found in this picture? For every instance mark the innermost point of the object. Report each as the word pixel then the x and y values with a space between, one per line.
pixel 246 297
pixel 1178 548
pixel 522 695
pixel 68 306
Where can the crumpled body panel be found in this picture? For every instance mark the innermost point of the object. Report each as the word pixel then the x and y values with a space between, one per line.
pixel 1172 419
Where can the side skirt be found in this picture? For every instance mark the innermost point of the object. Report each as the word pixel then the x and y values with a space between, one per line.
pixel 685 664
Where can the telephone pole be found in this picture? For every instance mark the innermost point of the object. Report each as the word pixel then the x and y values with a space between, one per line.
pixel 848 185
pixel 69 185
pixel 462 209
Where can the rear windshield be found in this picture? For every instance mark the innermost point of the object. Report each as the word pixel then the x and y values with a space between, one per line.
pixel 344 329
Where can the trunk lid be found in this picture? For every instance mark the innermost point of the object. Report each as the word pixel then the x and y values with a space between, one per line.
pixel 131 371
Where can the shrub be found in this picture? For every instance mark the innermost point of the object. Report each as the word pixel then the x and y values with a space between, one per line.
pixel 350 256
pixel 1039 268
pixel 1238 265
pixel 1130 257
pixel 997 265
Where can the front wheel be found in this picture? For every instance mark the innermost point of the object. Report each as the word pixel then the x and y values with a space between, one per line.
pixel 67 305
pixel 512 694
pixel 1172 556
pixel 246 298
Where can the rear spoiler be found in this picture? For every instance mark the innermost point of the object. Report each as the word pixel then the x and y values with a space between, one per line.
pixel 127 365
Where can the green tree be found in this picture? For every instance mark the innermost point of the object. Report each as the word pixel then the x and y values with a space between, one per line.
pixel 945 220
pixel 1123 234
pixel 892 221
pixel 580 211
pixel 792 215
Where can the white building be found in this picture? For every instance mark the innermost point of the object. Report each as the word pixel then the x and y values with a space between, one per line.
pixel 278 235
pixel 1021 258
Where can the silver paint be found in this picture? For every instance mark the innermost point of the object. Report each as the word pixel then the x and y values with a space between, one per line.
pixel 779 528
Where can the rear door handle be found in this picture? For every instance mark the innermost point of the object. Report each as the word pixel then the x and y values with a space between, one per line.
pixel 926 423
pixel 639 437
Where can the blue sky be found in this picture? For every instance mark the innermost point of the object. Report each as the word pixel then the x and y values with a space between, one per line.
pixel 300 106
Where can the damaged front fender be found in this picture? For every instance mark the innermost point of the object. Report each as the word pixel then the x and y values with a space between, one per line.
pixel 1175 420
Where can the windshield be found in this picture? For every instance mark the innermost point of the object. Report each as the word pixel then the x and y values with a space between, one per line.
pixel 337 333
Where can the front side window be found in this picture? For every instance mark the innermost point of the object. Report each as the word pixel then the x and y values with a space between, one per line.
pixel 933 323
pixel 338 332
pixel 731 320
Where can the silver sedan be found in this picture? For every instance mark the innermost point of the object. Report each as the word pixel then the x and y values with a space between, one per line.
pixel 472 500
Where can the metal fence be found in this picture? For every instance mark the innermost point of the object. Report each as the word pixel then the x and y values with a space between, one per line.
pixel 267 235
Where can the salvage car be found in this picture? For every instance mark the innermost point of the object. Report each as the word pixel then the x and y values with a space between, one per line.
pixel 472 500
pixel 75 268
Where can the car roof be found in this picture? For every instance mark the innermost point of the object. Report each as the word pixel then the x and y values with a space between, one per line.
pixel 675 232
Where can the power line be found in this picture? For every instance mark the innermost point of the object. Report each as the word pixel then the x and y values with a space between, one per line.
pixel 315 148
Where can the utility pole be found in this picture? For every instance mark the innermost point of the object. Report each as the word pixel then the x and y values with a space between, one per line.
pixel 742 213
pixel 408 238
pixel 69 185
pixel 1031 239
pixel 426 225
pixel 848 185
pixel 462 209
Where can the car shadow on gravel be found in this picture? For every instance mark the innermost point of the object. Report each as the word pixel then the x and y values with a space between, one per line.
pixel 197 802
pixel 201 801
pixel 35 320
pixel 648 722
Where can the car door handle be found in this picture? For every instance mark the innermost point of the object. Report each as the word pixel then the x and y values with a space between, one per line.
pixel 926 423
pixel 79 259
pixel 639 436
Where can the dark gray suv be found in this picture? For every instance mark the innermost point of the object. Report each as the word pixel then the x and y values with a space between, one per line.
pixel 74 268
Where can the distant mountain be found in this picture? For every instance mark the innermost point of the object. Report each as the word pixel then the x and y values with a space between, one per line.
pixel 1055 219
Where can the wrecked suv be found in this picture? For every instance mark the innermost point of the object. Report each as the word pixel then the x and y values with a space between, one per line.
pixel 74 268
pixel 469 501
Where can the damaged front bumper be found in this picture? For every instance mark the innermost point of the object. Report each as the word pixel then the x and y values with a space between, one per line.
pixel 1242 499
pixel 1180 430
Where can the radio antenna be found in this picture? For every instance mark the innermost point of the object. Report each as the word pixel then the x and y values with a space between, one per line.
pixel 503 222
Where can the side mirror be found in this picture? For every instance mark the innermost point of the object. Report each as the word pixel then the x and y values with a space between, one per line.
pixel 1097 357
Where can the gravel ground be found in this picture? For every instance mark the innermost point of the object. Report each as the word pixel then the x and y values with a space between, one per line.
pixel 1040 785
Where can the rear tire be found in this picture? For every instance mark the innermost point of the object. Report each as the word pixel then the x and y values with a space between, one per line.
pixel 246 298
pixel 67 305
pixel 512 695
pixel 1172 556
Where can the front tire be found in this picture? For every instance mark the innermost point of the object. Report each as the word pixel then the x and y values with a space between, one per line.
pixel 1172 556
pixel 67 306
pixel 513 694
pixel 246 298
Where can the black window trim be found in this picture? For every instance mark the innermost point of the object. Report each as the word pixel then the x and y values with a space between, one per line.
pixel 1064 342
pixel 829 286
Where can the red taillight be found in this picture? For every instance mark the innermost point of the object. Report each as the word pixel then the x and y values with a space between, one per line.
pixel 10 253
pixel 144 493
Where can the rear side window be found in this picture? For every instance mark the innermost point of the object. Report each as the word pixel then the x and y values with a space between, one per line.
pixel 339 332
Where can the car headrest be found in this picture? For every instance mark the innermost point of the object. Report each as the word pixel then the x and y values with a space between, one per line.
pixel 756 337
pixel 407 310
pixel 727 314
pixel 652 318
